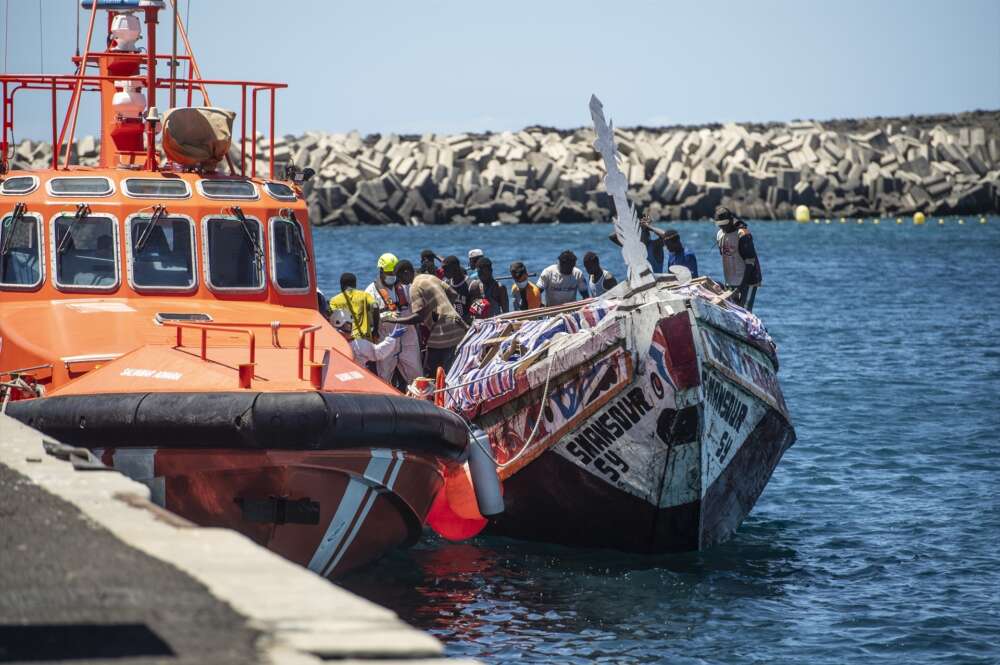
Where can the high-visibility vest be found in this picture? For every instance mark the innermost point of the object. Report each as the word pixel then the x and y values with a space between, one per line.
pixel 532 295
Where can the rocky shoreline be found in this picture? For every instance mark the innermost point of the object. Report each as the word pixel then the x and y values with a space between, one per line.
pixel 945 164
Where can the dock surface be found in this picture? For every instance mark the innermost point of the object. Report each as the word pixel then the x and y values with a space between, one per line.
pixel 92 571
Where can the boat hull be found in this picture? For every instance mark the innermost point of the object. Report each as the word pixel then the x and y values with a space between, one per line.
pixel 652 424
pixel 555 500
pixel 331 481
pixel 331 511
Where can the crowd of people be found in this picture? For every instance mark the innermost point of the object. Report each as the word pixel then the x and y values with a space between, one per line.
pixel 408 321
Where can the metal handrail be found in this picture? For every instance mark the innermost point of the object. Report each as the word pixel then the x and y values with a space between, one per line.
pixel 204 336
pixel 311 331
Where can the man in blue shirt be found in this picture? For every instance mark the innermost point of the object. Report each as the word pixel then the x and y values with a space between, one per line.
pixel 678 255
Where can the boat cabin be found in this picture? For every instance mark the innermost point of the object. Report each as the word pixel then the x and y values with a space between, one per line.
pixel 108 233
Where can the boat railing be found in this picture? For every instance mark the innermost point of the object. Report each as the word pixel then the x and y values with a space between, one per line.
pixel 311 333
pixel 307 335
pixel 11 84
pixel 246 370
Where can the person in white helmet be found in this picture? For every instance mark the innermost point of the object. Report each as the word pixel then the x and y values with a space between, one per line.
pixel 364 350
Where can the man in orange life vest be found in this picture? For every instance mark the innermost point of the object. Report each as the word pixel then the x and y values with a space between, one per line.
pixel 393 297
pixel 524 294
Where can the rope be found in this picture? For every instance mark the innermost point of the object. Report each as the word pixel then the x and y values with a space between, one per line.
pixel 534 430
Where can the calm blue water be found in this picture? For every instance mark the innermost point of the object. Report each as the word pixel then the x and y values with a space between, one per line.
pixel 877 539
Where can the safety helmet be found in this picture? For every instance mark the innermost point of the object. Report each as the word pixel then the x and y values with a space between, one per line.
pixel 340 318
pixel 387 262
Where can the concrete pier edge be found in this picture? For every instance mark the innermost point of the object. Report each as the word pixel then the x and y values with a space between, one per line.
pixel 302 617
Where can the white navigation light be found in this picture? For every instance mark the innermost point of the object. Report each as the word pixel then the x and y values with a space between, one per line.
pixel 126 31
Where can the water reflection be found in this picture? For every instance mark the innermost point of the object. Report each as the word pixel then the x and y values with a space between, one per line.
pixel 496 594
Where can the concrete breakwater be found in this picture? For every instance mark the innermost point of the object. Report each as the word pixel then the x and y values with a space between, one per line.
pixel 934 164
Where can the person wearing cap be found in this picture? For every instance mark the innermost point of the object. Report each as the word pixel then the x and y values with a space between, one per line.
pixel 360 305
pixel 455 277
pixel 600 280
pixel 432 305
pixel 365 350
pixel 428 264
pixel 524 294
pixel 392 298
pixel 486 288
pixel 474 256
pixel 740 265
pixel 678 254
pixel 561 281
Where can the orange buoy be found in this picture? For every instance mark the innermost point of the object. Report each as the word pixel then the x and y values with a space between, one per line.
pixel 454 514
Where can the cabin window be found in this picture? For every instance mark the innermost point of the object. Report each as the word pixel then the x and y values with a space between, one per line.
pixel 80 186
pixel 156 188
pixel 19 185
pixel 227 189
pixel 161 254
pixel 20 251
pixel 280 191
pixel 289 258
pixel 84 251
pixel 235 258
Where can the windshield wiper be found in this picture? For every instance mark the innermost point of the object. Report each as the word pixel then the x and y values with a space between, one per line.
pixel 159 212
pixel 300 240
pixel 245 225
pixel 15 219
pixel 82 210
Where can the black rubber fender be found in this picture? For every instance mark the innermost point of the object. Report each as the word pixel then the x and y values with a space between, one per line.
pixel 246 420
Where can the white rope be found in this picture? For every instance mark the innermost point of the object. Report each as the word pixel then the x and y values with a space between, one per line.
pixel 534 430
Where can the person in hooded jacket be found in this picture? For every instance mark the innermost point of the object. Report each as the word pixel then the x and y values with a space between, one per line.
pixel 740 264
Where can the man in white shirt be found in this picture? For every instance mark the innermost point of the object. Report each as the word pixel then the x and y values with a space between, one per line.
pixel 561 281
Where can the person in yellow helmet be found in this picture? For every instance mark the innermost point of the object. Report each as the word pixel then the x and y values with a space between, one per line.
pixel 393 298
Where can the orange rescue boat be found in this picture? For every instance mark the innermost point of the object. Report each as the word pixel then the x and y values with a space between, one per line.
pixel 162 311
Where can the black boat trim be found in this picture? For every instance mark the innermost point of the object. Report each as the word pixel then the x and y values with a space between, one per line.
pixel 247 420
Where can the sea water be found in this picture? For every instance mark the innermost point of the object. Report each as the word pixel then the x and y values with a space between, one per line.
pixel 876 540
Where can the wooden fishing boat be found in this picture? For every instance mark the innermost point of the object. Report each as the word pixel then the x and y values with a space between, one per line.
pixel 162 311
pixel 648 420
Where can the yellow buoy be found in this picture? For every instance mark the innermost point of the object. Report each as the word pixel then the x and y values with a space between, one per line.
pixel 877 221
pixel 941 222
pixel 802 214
pixel 827 221
pixel 918 218
pixel 961 221
pixel 861 220
pixel 982 220
pixel 899 220
pixel 843 220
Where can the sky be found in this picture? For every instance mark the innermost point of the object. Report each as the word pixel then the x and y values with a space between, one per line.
pixel 449 66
